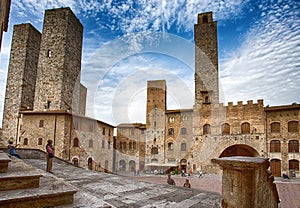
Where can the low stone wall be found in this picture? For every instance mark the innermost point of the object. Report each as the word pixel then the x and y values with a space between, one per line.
pixel 247 183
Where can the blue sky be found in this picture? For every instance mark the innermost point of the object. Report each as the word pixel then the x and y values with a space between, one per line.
pixel 128 42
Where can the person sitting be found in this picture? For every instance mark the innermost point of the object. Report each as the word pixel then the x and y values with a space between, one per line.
pixel 12 149
pixel 285 176
pixel 170 180
pixel 187 184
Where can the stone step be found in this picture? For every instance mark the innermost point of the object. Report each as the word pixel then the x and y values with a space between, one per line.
pixel 42 189
pixel 9 182
pixel 19 176
pixel 4 160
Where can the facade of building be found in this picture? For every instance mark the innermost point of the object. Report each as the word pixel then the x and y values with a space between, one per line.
pixel 187 139
pixel 4 17
pixel 44 98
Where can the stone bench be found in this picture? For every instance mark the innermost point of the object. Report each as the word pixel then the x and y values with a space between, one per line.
pixel 4 160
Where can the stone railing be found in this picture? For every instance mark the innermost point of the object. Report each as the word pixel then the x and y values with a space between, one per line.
pixel 247 183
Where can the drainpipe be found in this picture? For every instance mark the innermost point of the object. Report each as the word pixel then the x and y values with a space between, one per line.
pixel 17 127
pixel 70 138
pixel 54 136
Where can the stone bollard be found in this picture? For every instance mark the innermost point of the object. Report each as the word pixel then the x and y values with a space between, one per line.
pixel 246 183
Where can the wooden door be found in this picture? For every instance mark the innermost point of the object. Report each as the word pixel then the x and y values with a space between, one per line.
pixel 275 166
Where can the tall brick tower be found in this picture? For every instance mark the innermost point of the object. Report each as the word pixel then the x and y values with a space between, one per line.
pixel 21 77
pixel 58 77
pixel 155 120
pixel 206 70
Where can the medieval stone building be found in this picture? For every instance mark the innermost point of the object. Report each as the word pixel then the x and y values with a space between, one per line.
pixel 190 138
pixel 45 100
pixel 4 17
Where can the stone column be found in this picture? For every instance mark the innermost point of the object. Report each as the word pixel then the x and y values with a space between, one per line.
pixel 247 183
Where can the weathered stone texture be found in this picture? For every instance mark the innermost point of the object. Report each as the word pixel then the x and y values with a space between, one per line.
pixel 59 62
pixel 21 76
pixel 247 183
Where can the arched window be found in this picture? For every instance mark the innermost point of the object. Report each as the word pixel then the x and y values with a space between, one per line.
pixel 134 145
pixel 275 127
pixel 49 53
pixel 225 129
pixel 171 131
pixel 293 146
pixel 124 146
pixel 294 165
pixel 171 120
pixel 40 141
pixel 206 129
pixel 183 146
pixel 130 146
pixel 25 141
pixel 90 143
pixel 183 131
pixel 275 146
pixel 245 128
pixel 170 146
pixel 293 126
pixel 154 150
pixel 76 142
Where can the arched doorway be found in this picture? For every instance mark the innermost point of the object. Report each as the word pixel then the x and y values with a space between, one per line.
pixel 75 161
pixel 132 166
pixel 275 167
pixel 90 163
pixel 239 150
pixel 122 165
pixel 183 164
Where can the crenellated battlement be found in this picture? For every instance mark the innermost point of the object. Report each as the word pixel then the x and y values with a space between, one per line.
pixel 240 105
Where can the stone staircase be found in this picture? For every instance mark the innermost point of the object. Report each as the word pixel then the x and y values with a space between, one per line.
pixel 23 186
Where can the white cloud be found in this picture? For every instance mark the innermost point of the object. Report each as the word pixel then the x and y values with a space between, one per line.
pixel 267 64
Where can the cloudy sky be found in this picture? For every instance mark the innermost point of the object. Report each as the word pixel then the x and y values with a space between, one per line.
pixel 127 42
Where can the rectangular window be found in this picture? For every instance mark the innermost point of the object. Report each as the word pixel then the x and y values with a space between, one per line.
pixel 41 124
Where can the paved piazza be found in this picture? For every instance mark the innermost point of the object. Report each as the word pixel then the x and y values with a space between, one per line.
pixel 96 189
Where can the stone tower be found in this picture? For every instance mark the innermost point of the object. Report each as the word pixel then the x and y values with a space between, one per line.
pixel 21 77
pixel 58 76
pixel 155 120
pixel 206 71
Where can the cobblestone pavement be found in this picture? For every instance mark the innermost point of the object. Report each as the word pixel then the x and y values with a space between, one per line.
pixel 288 189
pixel 96 189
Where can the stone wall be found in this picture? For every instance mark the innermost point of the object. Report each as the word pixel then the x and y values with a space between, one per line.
pixel 247 183
pixel 155 120
pixel 282 115
pixel 21 77
pixel 57 85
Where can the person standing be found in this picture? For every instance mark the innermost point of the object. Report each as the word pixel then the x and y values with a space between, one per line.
pixel 49 155
pixel 170 180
